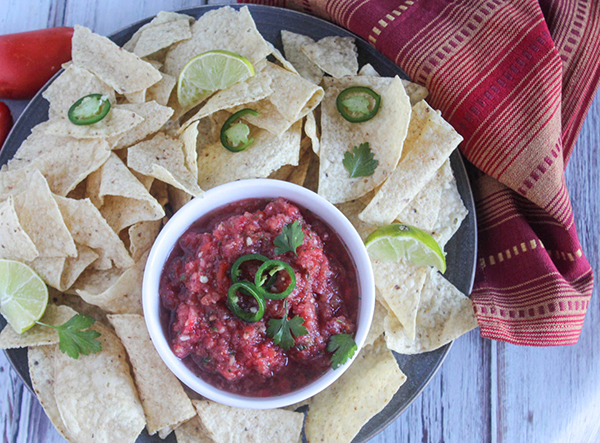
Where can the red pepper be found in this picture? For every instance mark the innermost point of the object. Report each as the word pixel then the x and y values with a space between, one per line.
pixel 6 122
pixel 30 59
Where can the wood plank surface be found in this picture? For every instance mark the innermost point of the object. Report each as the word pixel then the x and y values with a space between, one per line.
pixel 485 392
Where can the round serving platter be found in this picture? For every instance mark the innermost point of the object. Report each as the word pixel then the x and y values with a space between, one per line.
pixel 461 249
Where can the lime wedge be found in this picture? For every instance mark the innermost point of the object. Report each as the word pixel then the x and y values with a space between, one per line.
pixel 210 72
pixel 23 295
pixel 397 241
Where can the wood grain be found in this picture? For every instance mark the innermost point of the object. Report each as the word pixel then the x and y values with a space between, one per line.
pixel 485 391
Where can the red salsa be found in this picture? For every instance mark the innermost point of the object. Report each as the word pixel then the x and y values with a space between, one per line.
pixel 228 352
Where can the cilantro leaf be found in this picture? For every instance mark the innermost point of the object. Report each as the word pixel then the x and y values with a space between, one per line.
pixel 281 329
pixel 357 104
pixel 74 340
pixel 343 347
pixel 360 162
pixel 290 238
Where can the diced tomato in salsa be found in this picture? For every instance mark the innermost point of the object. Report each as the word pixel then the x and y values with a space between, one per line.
pixel 237 356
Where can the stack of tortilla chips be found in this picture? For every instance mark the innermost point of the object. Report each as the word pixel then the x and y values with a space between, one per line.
pixel 82 206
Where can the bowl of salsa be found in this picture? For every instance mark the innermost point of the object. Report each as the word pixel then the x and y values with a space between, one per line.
pixel 258 295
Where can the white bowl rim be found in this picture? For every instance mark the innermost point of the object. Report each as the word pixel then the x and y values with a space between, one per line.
pixel 219 197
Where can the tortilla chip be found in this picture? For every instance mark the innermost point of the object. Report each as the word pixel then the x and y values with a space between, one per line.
pixel 64 161
pixel 48 232
pixel 178 198
pixel 282 173
pixel 161 91
pixel 452 211
pixel 115 291
pixel 41 371
pixel 444 315
pixel 160 36
pixel 161 17
pixel 163 158
pixel 165 403
pixel 75 302
pixel 49 269
pixel 15 244
pixel 74 266
pixel 38 335
pixel 142 236
pixel 219 29
pixel 310 129
pixel 189 139
pixel 298 174
pixel 415 92
pixel 377 324
pixel 121 198
pixel 192 431
pixel 312 174
pixel 70 86
pixel 338 413
pixel 88 227
pixel 369 70
pixel 292 98
pixel 254 89
pixel 429 143
pixel 385 134
pixel 337 56
pixel 305 67
pixel 95 394
pixel 227 424
pixel 155 116
pixel 117 122
pixel 217 165
pixel 159 191
pixel 123 71
pixel 137 97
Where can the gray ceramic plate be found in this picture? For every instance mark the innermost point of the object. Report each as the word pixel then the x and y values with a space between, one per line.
pixel 461 250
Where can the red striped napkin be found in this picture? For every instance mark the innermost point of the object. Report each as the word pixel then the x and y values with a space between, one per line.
pixel 516 79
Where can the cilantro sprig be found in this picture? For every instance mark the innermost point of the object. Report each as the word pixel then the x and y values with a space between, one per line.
pixel 359 162
pixel 75 338
pixel 290 238
pixel 283 330
pixel 343 347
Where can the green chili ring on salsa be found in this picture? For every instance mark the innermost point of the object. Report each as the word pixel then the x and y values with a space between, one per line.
pixel 233 301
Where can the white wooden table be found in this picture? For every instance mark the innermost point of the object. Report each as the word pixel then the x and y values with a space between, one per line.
pixel 485 392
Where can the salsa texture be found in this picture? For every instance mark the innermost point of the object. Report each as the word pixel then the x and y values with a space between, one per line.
pixel 224 350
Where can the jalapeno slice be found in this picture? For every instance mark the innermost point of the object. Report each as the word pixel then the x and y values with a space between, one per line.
pixel 233 300
pixel 234 134
pixel 358 104
pixel 89 109
pixel 272 267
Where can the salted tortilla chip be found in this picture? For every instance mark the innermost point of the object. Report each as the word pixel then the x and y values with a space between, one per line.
pixel 369 70
pixel 306 68
pixel 75 302
pixel 415 92
pixel 222 29
pixel 15 244
pixel 160 36
pixel 310 129
pixel 385 134
pixel 178 198
pixel 136 97
pixel 189 138
pixel 162 157
pixel 298 174
pixel 155 116
pixel 159 192
pixel 339 412
pixel 444 315
pixel 41 371
pixel 161 91
pixel 452 210
pixel 429 143
pixel 38 335
pixel 74 266
pixel 117 122
pixel 192 431
pixel 114 290
pixel 161 17
pixel 95 394
pixel 88 227
pixel 165 403
pixel 49 269
pixel 282 173
pixel 70 86
pixel 217 165
pixel 121 198
pixel 422 211
pixel 292 98
pixel 377 324
pixel 123 71
pixel 337 56
pixel 227 424
pixel 142 236
pixel 255 88
pixel 64 161
pixel 48 232
pixel 312 174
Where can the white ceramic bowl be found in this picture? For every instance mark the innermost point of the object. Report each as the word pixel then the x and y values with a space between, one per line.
pixel 218 197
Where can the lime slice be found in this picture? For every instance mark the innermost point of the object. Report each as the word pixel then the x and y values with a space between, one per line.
pixel 23 295
pixel 210 72
pixel 397 241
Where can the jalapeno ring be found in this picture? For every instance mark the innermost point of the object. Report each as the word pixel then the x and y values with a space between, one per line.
pixel 354 117
pixel 233 301
pixel 89 109
pixel 273 267
pixel 225 141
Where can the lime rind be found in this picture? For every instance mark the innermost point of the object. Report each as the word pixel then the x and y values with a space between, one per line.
pixel 398 241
